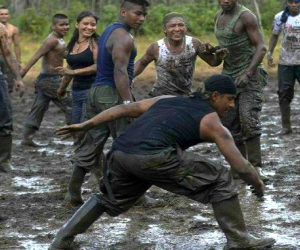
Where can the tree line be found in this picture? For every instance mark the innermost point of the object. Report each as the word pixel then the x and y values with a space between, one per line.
pixel 34 16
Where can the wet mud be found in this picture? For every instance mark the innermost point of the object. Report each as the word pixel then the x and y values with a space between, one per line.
pixel 32 207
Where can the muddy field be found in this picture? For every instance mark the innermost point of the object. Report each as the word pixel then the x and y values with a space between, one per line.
pixel 32 208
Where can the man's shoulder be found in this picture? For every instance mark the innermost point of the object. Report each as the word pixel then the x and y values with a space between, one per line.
pixel 12 27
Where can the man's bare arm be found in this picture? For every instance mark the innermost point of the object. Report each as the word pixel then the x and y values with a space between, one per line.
pixel 251 25
pixel 47 46
pixel 122 46
pixel 212 130
pixel 7 54
pixel 133 110
pixel 16 43
pixel 146 59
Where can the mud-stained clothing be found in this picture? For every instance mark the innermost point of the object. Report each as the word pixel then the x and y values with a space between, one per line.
pixel 102 95
pixel 100 98
pixel 6 118
pixel 80 84
pixel 157 157
pixel 174 73
pixel 243 122
pixel 289 56
pixel 46 86
pixel 7 74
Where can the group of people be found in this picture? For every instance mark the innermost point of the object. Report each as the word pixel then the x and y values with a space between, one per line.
pixel 225 111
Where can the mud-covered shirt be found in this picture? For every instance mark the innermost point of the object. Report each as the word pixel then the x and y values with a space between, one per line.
pixel 241 50
pixel 169 122
pixel 174 73
pixel 290 40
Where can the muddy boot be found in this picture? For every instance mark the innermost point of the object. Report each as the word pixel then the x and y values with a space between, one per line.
pixel 254 156
pixel 285 110
pixel 230 218
pixel 73 196
pixel 242 148
pixel 27 139
pixel 5 153
pixel 84 217
pixel 146 201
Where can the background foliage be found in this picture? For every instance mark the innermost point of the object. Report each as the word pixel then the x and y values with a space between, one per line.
pixel 34 16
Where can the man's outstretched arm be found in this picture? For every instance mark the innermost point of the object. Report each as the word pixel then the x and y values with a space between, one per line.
pixel 133 110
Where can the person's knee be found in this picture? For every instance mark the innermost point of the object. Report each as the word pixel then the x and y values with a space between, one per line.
pixel 285 96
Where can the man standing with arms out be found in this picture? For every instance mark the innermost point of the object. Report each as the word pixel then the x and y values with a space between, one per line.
pixel 6 126
pixel 52 52
pixel 175 57
pixel 140 159
pixel 286 22
pixel 115 65
pixel 13 37
pixel 237 29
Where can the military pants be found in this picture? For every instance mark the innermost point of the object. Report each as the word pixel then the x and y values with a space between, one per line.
pixel 46 91
pixel 89 152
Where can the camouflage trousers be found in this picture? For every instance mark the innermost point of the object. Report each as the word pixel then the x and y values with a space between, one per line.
pixel 244 120
pixel 46 91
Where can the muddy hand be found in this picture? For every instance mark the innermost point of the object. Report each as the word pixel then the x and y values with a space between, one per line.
pixel 242 81
pixel 258 189
pixel 68 131
pixel 271 61
pixel 19 87
pixel 222 53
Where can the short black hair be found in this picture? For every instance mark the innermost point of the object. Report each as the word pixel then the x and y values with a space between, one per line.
pixel 58 16
pixel 143 3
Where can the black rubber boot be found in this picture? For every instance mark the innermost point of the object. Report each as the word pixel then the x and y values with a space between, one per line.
pixel 84 217
pixel 230 218
pixel 5 153
pixel 73 197
pixel 27 139
pixel 285 110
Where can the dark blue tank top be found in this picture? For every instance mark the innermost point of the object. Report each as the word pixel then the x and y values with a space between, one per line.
pixel 79 61
pixel 105 65
pixel 169 122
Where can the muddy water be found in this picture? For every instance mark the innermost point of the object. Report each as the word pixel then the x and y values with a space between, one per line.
pixel 32 210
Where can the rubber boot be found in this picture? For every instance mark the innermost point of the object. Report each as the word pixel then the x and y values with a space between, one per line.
pixel 285 110
pixel 27 139
pixel 5 153
pixel 254 156
pixel 73 197
pixel 243 150
pixel 84 217
pixel 230 218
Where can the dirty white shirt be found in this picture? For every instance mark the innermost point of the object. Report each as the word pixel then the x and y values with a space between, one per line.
pixel 290 40
pixel 174 73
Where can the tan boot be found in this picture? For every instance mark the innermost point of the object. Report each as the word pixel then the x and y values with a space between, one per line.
pixel 230 218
